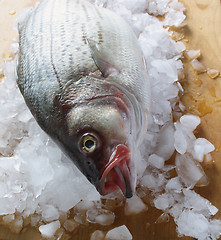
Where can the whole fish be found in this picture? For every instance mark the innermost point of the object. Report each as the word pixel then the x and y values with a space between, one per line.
pixel 83 76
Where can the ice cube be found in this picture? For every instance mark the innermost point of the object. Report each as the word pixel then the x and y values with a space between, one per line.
pixel 215 229
pixel 166 67
pixel 97 235
pixel 180 47
pixel 208 157
pixel 17 225
pixel 170 92
pixel 79 218
pixel 149 181
pixel 190 171
pixel 70 225
pixel 113 200
pixel 7 206
pixel 53 153
pixel 41 172
pixel 135 7
pixel 119 233
pixel 35 220
pixel 101 216
pixel 158 7
pixel 174 18
pixel 8 218
pixel 190 121
pixel 198 203
pixel 134 205
pixel 198 66
pixel 201 148
pixel 174 184
pixel 25 116
pixel 177 208
pixel 156 161
pixel 154 182
pixel 192 54
pixel 213 73
pixel 83 206
pixel 164 217
pixel 48 230
pixel 49 213
pixel 180 143
pixel 193 224
pixel 163 201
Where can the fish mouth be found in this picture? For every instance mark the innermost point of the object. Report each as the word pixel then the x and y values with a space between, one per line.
pixel 117 173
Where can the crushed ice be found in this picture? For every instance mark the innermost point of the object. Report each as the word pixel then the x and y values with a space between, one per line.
pixel 39 182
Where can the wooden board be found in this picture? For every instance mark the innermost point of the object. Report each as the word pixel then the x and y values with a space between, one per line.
pixel 9 10
pixel 202 32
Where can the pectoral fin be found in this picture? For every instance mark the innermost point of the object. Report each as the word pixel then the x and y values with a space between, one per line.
pixel 100 57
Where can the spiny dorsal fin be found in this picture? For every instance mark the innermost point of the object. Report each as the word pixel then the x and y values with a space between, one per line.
pixel 99 56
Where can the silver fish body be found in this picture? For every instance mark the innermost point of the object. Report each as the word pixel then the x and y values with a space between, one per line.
pixel 83 76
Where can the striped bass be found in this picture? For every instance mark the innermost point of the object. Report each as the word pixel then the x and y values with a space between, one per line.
pixel 83 76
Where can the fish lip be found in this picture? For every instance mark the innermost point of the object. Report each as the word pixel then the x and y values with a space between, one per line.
pixel 117 173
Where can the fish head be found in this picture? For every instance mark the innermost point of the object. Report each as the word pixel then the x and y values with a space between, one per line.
pixel 101 144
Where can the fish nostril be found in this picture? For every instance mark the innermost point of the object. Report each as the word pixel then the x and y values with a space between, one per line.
pixel 89 163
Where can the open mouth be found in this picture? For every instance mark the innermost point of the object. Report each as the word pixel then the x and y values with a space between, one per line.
pixel 117 173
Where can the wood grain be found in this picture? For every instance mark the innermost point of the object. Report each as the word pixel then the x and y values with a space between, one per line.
pixel 203 32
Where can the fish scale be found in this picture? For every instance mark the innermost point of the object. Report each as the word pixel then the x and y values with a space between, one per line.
pixel 80 61
pixel 81 69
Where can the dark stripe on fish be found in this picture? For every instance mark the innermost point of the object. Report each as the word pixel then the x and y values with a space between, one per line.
pixel 51 50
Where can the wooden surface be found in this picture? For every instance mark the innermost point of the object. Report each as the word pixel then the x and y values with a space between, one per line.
pixel 9 11
pixel 203 32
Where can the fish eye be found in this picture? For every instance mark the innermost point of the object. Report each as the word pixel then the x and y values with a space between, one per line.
pixel 88 143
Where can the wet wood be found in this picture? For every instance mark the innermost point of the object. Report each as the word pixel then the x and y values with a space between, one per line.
pixel 204 33
pixel 202 97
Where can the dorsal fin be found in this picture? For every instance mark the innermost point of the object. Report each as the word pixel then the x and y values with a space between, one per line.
pixel 99 55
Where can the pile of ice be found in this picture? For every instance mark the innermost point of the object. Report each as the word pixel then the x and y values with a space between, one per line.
pixel 37 181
